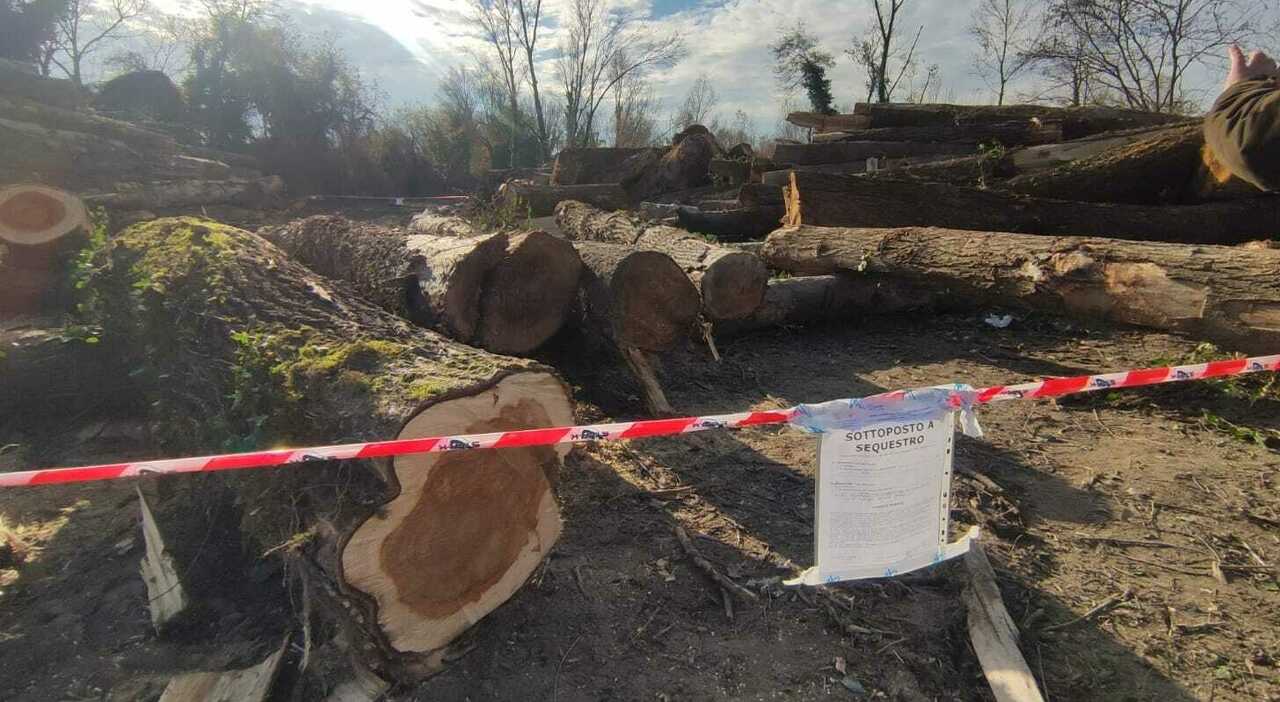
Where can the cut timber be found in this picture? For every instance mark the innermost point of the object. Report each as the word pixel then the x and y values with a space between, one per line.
pixel 248 685
pixel 819 299
pixel 405 554
pixel 1076 121
pixel 1227 294
pixel 760 195
pixel 247 192
pixel 1153 171
pixel 507 293
pixel 730 172
pixel 433 224
pixel 994 635
pixel 828 123
pixel 35 215
pixel 741 224
pixel 1032 158
pixel 655 399
pixel 849 151
pixel 825 200
pixel 541 200
pixel 48 369
pixel 686 165
pixel 581 166
pixel 166 595
pixel 637 299
pixel 732 283
pixel 1013 133
pixel 38 228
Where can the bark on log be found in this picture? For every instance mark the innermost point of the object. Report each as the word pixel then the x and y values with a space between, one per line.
pixel 820 299
pixel 740 224
pixel 1012 133
pixel 57 92
pixel 686 165
pixel 828 123
pixel 1076 121
pixel 38 228
pixel 636 299
pixel 964 170
pixel 732 283
pixel 433 224
pixel 1154 171
pixel 541 200
pixel 508 293
pixel 406 566
pixel 855 201
pixel 253 193
pixel 49 368
pixel 730 172
pixel 1033 158
pixel 1227 294
pixel 581 166
pixel 849 151
pixel 52 117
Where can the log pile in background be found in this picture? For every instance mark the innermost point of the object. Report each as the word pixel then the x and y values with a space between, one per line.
pixel 1076 122
pixel 1227 294
pixel 505 292
pixel 531 200
pixel 583 166
pixel 732 282
pixel 118 164
pixel 405 557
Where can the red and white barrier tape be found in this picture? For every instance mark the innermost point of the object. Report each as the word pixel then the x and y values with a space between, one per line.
pixel 621 431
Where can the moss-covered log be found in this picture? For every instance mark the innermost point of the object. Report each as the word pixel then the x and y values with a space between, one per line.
pixel 505 292
pixel 731 282
pixel 235 339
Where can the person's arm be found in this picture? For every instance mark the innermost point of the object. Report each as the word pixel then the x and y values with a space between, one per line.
pixel 1243 131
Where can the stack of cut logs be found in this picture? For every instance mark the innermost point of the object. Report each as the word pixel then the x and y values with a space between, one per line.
pixel 352 331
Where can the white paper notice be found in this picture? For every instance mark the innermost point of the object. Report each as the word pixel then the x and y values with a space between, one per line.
pixel 883 500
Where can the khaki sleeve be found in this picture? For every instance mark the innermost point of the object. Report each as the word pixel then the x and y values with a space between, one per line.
pixel 1243 130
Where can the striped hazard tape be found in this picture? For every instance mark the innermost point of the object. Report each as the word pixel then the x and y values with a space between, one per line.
pixel 620 431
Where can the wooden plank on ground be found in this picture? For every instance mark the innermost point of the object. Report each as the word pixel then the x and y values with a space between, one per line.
pixel 247 685
pixel 994 635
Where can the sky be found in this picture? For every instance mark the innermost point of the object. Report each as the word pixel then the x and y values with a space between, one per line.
pixel 407 45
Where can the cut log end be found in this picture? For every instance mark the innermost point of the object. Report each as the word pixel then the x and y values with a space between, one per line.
pixel 734 286
pixel 35 215
pixel 529 293
pixel 656 303
pixel 467 528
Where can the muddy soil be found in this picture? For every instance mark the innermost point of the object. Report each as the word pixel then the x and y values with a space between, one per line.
pixel 1135 536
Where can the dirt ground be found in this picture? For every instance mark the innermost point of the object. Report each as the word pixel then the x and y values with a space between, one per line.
pixel 1134 535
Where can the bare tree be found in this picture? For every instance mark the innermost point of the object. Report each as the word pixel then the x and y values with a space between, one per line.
pixel 876 53
pixel 699 104
pixel 1006 32
pixel 596 34
pixel 633 107
pixel 163 42
pixel 1141 50
pixel 87 26
pixel 496 20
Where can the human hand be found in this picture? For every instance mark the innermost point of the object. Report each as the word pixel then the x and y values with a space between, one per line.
pixel 1257 65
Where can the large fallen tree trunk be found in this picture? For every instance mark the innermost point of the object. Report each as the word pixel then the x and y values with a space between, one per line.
pixel 405 557
pixel 823 200
pixel 819 299
pixel 740 224
pixel 760 196
pixel 541 200
pixel 685 165
pixel 636 299
pixel 39 229
pixel 1227 294
pixel 433 224
pixel 1013 133
pixel 581 166
pixel 1076 121
pixel 508 293
pixel 1154 171
pixel 1033 158
pixel 732 282
pixel 849 151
